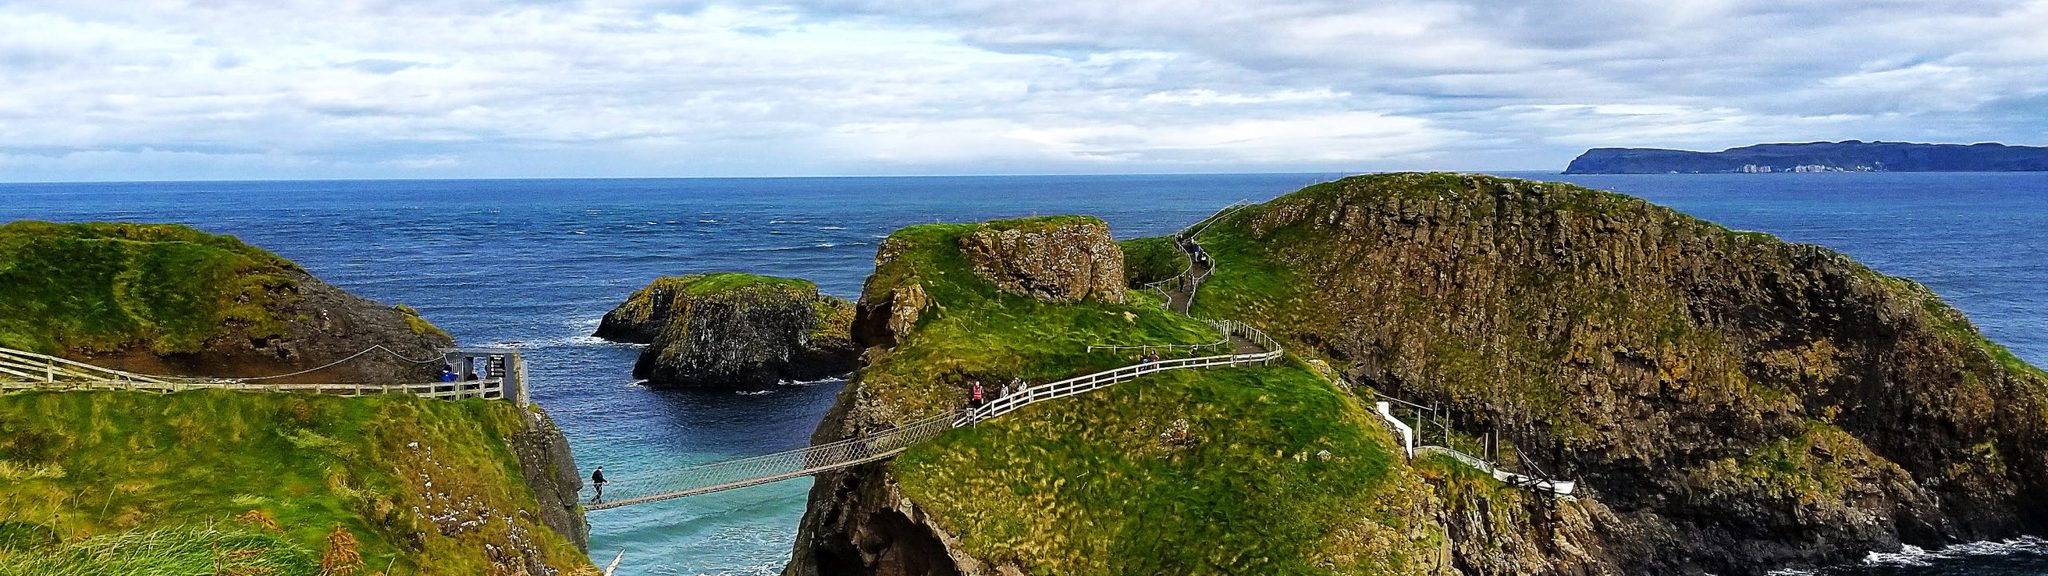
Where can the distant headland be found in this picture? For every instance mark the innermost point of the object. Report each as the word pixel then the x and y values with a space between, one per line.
pixel 1844 156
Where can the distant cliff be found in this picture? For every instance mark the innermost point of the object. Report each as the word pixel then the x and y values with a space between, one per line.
pixel 1845 156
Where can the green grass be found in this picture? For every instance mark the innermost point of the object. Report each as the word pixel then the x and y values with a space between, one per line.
pixel 108 286
pixel 171 551
pixel 1276 472
pixel 721 282
pixel 102 464
pixel 1148 260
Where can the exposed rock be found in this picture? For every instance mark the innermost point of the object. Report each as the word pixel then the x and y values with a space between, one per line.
pixel 550 471
pixel 1054 259
pixel 889 306
pixel 735 331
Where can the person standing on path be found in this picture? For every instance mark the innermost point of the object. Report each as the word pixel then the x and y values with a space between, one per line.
pixel 597 481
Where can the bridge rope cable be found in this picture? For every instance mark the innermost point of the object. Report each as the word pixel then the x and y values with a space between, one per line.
pixel 393 353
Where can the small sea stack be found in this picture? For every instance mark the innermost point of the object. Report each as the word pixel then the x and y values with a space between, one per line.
pixel 731 330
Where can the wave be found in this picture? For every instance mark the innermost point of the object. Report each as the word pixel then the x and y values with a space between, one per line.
pixel 1910 556
pixel 818 246
pixel 831 227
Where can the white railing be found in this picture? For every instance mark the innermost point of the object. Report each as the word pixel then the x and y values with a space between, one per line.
pixel 22 370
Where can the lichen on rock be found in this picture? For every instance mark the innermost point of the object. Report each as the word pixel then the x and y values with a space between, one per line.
pixel 1054 259
pixel 730 330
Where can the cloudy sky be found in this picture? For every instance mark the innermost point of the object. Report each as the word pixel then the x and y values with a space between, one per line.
pixel 234 89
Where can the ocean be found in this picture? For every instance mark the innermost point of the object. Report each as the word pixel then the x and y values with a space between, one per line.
pixel 536 263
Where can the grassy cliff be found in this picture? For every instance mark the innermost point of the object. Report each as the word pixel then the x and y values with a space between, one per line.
pixel 168 299
pixel 105 480
pixel 104 286
pixel 1256 470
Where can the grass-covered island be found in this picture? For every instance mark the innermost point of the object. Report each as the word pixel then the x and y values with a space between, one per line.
pixel 1730 403
pixel 733 330
pixel 226 482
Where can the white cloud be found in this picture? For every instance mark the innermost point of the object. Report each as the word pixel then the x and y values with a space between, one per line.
pixel 107 89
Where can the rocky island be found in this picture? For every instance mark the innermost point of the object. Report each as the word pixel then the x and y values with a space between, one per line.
pixel 230 482
pixel 1729 403
pixel 730 330
pixel 1844 156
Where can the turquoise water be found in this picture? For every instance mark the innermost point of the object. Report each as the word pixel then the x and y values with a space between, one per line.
pixel 537 262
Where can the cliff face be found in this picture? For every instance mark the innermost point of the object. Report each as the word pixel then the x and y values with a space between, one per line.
pixel 549 469
pixel 1846 156
pixel 734 330
pixel 171 300
pixel 1736 402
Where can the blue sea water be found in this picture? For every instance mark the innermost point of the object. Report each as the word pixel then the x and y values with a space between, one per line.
pixel 536 263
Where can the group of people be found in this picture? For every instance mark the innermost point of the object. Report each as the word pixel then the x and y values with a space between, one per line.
pixel 1148 357
pixel 448 374
pixel 977 399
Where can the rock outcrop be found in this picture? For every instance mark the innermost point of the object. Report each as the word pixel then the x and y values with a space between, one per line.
pixel 734 331
pixel 550 471
pixel 171 300
pixel 1055 259
pixel 1738 403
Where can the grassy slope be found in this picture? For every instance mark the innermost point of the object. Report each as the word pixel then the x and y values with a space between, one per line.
pixel 106 286
pixel 1148 260
pixel 1090 486
pixel 125 465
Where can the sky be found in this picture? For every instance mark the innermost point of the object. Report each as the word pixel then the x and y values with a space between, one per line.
pixel 266 89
